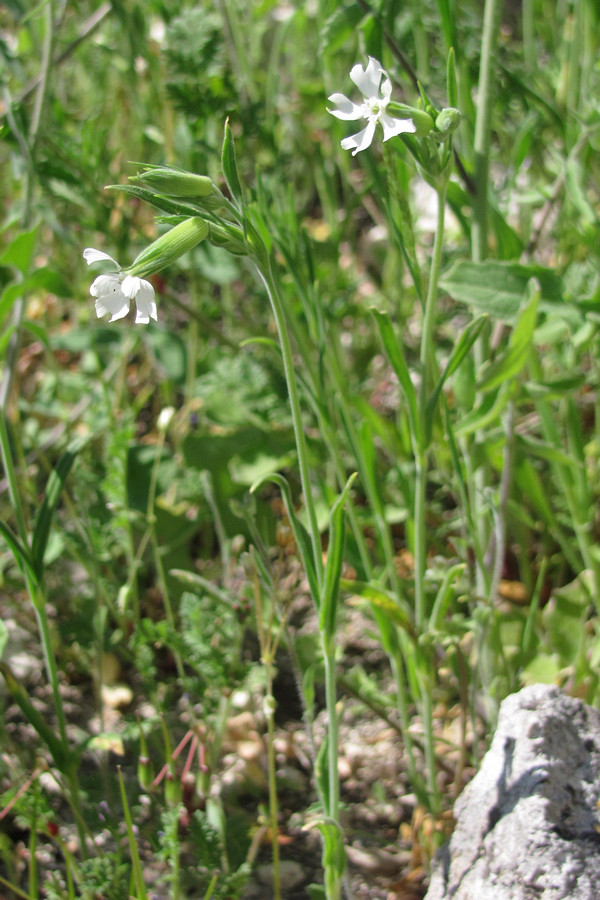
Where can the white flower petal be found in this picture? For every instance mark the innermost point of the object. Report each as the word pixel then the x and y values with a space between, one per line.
pixel 347 109
pixel 91 256
pixel 362 139
pixel 393 127
pixel 386 89
pixel 105 284
pixel 131 285
pixel 145 303
pixel 367 80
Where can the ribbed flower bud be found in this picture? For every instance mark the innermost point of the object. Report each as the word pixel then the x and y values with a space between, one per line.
pixel 174 182
pixel 169 247
pixel 230 238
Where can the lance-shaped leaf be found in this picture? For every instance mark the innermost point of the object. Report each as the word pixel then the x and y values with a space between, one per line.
pixel 333 568
pixel 451 85
pixel 394 354
pixel 301 535
pixel 21 555
pixel 21 697
pixel 459 351
pixel 513 360
pixel 54 488
pixel 136 863
pixel 174 207
pixel 229 166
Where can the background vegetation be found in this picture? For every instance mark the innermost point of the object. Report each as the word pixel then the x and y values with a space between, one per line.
pixel 149 597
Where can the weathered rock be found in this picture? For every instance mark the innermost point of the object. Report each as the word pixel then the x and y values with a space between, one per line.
pixel 528 824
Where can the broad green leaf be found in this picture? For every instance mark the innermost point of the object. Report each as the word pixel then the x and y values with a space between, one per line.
pixel 394 354
pixel 170 351
pixel 230 167
pixel 19 252
pixel 498 288
pixel 49 280
pixel 514 359
pixel 54 488
pixel 301 535
pixel 333 568
pixel 459 351
pixel 565 616
pixel 9 296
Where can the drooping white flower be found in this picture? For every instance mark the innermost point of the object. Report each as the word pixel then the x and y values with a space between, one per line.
pixel 114 292
pixel 376 96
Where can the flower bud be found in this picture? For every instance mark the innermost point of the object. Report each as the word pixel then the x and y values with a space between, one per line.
pixel 422 120
pixel 174 182
pixel 169 247
pixel 229 238
pixel 447 121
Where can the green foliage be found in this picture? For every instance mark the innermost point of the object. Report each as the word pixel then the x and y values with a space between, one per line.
pixel 459 381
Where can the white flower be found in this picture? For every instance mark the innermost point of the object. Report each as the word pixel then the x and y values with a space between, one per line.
pixel 376 96
pixel 115 291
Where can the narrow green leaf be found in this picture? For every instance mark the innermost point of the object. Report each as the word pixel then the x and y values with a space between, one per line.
pixel 174 207
pixel 333 568
pixel 451 85
pixel 532 447
pixel 383 600
pixel 230 167
pixel 459 351
pixel 301 536
pixel 54 488
pixel 35 718
pixel 21 555
pixel 487 412
pixel 136 863
pixel 514 359
pixel 394 354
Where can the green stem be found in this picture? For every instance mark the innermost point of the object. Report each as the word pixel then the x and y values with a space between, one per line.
pixel 479 228
pixel 483 130
pixel 292 386
pixel 272 774
pixel 426 358
pixel 328 645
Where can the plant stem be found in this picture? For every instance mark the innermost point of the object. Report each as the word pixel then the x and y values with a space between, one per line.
pixel 292 386
pixel 426 357
pixel 482 130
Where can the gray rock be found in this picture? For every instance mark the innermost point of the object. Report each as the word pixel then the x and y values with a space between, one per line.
pixel 528 823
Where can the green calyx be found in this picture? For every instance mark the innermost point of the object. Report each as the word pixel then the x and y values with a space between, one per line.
pixel 169 247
